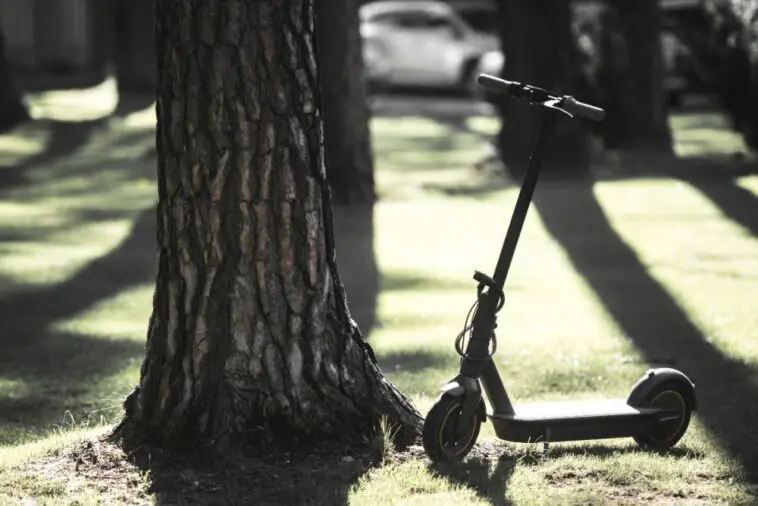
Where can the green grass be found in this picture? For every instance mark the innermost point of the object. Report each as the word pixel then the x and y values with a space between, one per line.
pixel 607 280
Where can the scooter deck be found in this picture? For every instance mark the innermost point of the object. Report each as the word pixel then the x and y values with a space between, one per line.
pixel 573 421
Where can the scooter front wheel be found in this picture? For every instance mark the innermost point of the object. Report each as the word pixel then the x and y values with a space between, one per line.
pixel 439 438
pixel 666 433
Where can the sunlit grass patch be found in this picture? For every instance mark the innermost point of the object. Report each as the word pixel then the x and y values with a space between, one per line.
pixel 749 183
pixel 21 143
pixel 704 133
pixel 54 256
pixel 75 105
pixel 124 316
pixel 590 473
pixel 707 262
pixel 99 366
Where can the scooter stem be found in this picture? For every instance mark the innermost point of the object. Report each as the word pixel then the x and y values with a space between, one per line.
pixel 524 197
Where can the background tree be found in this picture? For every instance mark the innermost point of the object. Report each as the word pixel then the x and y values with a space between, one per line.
pixel 346 113
pixel 250 329
pixel 537 39
pixel 12 108
pixel 132 44
pixel 725 40
pixel 644 112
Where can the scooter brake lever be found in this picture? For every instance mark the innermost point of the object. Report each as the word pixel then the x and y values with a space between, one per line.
pixel 554 103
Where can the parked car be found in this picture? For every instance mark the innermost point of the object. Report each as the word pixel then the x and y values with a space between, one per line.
pixel 429 43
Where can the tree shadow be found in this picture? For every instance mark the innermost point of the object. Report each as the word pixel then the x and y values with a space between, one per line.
pixel 356 261
pixel 263 476
pixel 41 81
pixel 60 374
pixel 130 264
pixel 604 451
pixel 65 138
pixel 653 321
pixel 131 102
pixel 476 473
pixel 59 370
pixel 737 203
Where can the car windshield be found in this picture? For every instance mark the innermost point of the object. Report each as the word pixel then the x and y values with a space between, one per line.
pixel 481 20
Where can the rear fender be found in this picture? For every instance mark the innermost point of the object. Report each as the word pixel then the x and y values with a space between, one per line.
pixel 656 377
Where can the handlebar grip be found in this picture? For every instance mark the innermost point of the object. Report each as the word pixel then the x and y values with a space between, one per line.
pixel 577 108
pixel 495 84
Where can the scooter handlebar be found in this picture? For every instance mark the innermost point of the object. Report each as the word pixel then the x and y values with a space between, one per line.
pixel 538 95
pixel 496 84
pixel 577 108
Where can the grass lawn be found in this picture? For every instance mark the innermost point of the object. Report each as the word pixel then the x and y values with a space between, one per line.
pixel 659 268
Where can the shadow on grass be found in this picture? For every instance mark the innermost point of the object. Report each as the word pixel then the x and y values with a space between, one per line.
pixel 603 451
pixel 737 203
pixel 408 280
pixel 262 476
pixel 65 138
pixel 59 370
pixel 654 322
pixel 129 103
pixel 59 373
pixel 476 473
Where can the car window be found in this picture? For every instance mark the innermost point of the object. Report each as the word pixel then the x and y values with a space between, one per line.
pixel 410 20
pixel 435 22
pixel 414 20
pixel 388 18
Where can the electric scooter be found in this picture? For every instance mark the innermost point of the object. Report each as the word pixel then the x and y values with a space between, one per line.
pixel 657 411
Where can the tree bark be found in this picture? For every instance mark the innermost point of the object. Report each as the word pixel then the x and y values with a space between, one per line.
pixel 645 111
pixel 12 109
pixel 346 113
pixel 539 50
pixel 251 334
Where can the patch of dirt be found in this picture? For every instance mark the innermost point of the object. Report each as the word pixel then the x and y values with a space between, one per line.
pixel 95 466
pixel 263 476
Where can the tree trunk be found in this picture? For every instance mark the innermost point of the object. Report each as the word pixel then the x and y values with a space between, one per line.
pixel 539 50
pixel 12 109
pixel 726 43
pixel 250 334
pixel 133 45
pixel 645 107
pixel 346 114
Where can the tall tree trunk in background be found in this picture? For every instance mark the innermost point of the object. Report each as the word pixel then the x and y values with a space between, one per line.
pixel 133 44
pixel 250 331
pixel 537 40
pixel 645 113
pixel 346 114
pixel 725 40
pixel 12 108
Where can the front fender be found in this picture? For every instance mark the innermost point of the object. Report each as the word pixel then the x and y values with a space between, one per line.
pixel 655 377
pixel 460 386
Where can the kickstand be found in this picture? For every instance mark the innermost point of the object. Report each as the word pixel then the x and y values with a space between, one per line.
pixel 546 446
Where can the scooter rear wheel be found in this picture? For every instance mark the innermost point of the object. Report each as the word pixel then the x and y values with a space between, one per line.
pixel 664 435
pixel 439 439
